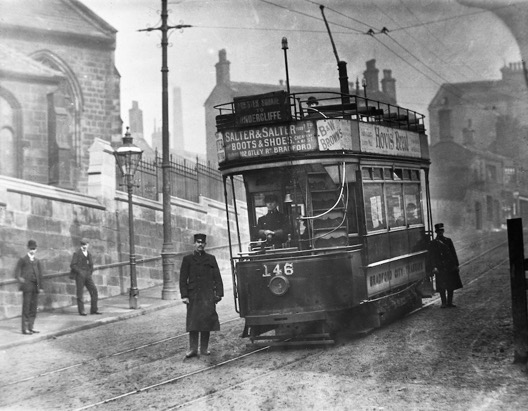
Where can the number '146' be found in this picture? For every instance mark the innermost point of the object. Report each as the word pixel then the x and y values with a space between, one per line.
pixel 277 270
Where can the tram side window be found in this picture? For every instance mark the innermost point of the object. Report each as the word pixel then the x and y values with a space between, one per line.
pixel 374 207
pixel 413 208
pixel 395 205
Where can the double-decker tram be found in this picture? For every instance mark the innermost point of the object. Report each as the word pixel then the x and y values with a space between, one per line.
pixel 338 208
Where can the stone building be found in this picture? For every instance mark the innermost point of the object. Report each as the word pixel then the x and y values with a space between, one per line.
pixel 59 90
pixel 478 134
pixel 225 90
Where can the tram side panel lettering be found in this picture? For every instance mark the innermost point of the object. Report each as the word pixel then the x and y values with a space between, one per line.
pixel 385 277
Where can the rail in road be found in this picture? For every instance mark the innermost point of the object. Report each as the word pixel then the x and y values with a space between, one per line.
pixel 476 268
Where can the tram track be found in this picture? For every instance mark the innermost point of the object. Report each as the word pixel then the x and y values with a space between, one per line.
pixel 103 357
pixel 211 368
pixel 269 371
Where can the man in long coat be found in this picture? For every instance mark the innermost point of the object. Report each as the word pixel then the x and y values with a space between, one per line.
pixel 201 288
pixel 28 273
pixel 81 270
pixel 443 260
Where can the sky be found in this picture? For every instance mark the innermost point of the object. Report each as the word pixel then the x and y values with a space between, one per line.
pixel 428 43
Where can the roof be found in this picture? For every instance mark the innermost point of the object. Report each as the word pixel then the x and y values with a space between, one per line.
pixel 13 63
pixel 54 16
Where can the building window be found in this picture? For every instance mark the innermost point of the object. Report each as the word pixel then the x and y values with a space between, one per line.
pixel 491 173
pixel 444 121
pixel 8 152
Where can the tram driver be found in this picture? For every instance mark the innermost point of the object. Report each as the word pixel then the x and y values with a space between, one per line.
pixel 273 227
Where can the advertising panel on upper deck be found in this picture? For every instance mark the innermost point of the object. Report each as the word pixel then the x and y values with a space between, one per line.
pixel 266 141
pixel 262 109
pixel 390 141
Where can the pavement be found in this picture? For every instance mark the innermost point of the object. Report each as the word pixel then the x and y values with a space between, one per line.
pixel 66 320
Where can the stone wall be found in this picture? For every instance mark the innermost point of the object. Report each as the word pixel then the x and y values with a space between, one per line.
pixel 58 218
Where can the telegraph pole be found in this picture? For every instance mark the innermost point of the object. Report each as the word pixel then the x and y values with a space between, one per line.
pixel 168 251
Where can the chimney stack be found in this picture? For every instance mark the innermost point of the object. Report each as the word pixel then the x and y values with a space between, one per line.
pixel 388 85
pixel 371 76
pixel 222 69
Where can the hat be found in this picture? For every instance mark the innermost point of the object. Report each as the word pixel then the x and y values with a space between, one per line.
pixel 438 227
pixel 85 241
pixel 313 100
pixel 268 198
pixel 32 244
pixel 200 238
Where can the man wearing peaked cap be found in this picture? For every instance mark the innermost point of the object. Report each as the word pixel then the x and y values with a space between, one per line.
pixel 200 238
pixel 28 273
pixel 443 261
pixel 81 270
pixel 201 288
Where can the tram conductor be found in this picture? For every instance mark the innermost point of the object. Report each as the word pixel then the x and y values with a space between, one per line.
pixel 443 260
pixel 274 226
pixel 201 288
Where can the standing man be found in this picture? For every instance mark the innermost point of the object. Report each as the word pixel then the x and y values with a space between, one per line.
pixel 444 263
pixel 274 226
pixel 82 269
pixel 28 272
pixel 201 288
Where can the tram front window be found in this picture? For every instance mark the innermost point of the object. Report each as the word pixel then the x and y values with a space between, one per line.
pixel 274 226
pixel 374 207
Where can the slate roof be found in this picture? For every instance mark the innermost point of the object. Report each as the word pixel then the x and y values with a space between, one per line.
pixel 13 63
pixel 54 16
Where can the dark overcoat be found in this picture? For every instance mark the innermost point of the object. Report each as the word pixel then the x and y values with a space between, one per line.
pixel 277 222
pixel 201 283
pixel 29 274
pixel 443 257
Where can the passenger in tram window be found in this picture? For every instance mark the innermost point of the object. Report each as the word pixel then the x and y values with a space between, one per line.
pixel 273 227
pixel 443 261
pixel 201 288
pixel 412 214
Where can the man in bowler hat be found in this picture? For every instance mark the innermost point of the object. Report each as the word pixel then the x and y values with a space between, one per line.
pixel 201 288
pixel 28 273
pixel 81 270
pixel 444 263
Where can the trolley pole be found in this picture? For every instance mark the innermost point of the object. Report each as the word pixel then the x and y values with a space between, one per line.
pixel 518 289
pixel 169 291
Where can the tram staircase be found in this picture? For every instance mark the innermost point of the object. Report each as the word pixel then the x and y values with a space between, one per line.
pixel 330 229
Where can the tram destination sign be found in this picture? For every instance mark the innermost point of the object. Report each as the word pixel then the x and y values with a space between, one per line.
pixel 262 109
pixel 390 141
pixel 262 141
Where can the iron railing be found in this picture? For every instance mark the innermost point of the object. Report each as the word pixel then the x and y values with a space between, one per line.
pixel 188 179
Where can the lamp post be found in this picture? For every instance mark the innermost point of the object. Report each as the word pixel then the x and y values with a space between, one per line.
pixel 128 157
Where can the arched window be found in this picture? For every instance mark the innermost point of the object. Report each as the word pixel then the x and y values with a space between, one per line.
pixel 64 116
pixel 8 138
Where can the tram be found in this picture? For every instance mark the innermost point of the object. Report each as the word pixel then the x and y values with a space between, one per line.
pixel 348 177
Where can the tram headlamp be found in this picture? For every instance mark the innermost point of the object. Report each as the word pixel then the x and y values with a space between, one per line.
pixel 278 285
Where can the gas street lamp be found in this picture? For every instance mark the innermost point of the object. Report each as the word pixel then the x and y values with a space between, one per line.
pixel 128 157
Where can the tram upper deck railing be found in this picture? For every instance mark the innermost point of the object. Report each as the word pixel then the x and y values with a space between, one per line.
pixel 332 105
pixel 279 125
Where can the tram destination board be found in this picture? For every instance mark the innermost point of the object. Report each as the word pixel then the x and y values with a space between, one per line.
pixel 262 109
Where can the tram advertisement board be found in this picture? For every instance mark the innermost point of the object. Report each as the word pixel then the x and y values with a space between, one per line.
pixel 384 277
pixel 262 109
pixel 334 134
pixel 261 141
pixel 390 141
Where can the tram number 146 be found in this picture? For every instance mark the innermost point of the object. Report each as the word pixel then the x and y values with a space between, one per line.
pixel 286 269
